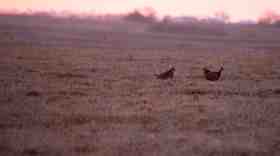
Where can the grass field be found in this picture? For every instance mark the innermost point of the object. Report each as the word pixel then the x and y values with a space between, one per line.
pixel 86 94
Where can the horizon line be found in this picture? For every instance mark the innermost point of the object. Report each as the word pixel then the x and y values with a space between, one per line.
pixel 69 12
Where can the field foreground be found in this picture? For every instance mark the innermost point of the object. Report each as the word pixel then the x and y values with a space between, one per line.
pixel 106 101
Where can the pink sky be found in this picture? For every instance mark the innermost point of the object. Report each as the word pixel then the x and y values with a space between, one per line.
pixel 237 9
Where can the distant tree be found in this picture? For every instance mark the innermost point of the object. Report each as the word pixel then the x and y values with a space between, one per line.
pixel 269 17
pixel 264 21
pixel 145 15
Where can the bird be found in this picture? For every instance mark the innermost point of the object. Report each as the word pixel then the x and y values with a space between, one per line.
pixel 169 74
pixel 212 75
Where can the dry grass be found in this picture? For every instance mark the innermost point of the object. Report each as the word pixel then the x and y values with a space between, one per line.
pixel 108 102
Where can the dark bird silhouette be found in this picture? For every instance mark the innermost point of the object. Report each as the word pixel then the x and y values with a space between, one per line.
pixel 211 75
pixel 169 74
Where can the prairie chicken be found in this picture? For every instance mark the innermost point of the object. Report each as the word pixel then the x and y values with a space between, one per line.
pixel 212 75
pixel 169 74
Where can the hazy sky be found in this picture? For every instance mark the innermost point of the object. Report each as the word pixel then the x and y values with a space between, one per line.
pixel 237 9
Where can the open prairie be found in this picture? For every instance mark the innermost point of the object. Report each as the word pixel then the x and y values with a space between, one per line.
pixel 80 89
